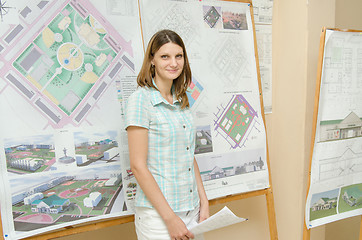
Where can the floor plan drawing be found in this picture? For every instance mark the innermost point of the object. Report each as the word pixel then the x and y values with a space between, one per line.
pixel 340 77
pixel 176 16
pixel 337 154
pixel 229 61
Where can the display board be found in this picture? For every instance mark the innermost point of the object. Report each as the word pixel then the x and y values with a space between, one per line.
pixel 335 190
pixel 224 93
pixel 66 70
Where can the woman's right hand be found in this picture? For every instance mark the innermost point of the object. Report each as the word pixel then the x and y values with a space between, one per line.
pixel 177 229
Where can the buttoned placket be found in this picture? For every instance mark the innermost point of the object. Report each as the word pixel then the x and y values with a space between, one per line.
pixel 182 122
pixel 188 148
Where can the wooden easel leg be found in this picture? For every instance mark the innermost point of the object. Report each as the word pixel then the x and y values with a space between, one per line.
pixel 1 229
pixel 360 230
pixel 271 215
pixel 306 232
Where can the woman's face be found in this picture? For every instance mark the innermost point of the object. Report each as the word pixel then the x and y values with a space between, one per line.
pixel 169 62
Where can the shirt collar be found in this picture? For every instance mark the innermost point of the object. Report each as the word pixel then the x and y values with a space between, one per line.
pixel 156 97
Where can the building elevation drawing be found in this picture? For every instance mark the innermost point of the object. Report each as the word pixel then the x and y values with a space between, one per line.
pixel 337 154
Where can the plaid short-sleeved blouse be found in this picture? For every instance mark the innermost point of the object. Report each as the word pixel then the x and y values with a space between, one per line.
pixel 171 145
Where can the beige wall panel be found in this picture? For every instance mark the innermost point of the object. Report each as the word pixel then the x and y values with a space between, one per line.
pixel 348 14
pixel 346 229
pixel 286 126
pixel 320 14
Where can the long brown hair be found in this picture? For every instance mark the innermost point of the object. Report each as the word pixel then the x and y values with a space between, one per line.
pixel 147 72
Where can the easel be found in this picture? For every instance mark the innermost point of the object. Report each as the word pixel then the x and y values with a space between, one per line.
pixel 268 192
pixel 306 231
pixel 99 225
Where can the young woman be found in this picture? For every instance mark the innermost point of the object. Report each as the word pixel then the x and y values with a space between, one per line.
pixel 161 138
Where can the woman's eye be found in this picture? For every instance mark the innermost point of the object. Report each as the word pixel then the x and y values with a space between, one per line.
pixel 164 56
pixel 179 56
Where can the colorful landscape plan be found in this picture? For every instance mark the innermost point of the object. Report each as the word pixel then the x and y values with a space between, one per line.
pixel 60 62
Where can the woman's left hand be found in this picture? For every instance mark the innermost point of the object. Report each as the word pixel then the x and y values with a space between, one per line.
pixel 204 211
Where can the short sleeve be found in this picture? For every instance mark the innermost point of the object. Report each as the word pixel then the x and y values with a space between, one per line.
pixel 137 109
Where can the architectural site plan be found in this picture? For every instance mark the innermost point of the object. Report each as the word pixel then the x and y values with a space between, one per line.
pixel 336 174
pixel 63 67
pixel 66 71
pixel 224 93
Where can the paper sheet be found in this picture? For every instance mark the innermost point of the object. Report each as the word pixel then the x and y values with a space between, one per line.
pixel 223 218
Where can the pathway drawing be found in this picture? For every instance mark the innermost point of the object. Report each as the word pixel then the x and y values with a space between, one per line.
pixel 233 121
pixel 64 62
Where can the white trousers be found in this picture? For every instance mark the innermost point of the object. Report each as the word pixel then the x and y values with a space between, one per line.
pixel 150 225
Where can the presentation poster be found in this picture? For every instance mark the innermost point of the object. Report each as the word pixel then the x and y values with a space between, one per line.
pixel 66 71
pixel 224 93
pixel 336 173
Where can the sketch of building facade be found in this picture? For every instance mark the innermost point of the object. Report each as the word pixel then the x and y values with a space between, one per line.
pixel 38 146
pixel 349 127
pixel 218 172
pixel 324 204
pixel 352 196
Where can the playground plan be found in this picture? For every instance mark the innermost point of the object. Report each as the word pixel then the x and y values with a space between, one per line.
pixel 64 65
